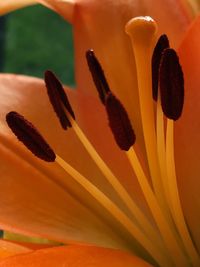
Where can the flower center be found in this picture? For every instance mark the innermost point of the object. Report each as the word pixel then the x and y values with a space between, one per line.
pixel 170 244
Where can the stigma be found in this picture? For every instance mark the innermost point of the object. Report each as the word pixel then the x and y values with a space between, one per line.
pixel 161 97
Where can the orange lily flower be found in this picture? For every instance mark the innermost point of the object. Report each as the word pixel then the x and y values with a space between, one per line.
pixel 41 199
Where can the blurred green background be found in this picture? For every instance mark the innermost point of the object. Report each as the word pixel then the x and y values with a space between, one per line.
pixel 36 39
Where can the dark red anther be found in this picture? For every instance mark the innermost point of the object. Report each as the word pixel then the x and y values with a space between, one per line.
pixel 161 45
pixel 58 98
pixel 97 75
pixel 29 136
pixel 171 85
pixel 119 122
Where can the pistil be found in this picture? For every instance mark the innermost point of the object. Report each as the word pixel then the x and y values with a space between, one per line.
pixel 142 31
pixel 161 45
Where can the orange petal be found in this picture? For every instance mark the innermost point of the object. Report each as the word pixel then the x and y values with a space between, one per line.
pixel 11 5
pixel 64 8
pixel 187 143
pixel 39 198
pixel 10 249
pixel 76 256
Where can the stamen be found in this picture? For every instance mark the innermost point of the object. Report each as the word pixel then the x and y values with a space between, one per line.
pixel 174 86
pixel 97 75
pixel 160 132
pixel 161 150
pixel 29 136
pixel 114 211
pixel 141 219
pixel 119 122
pixel 171 85
pixel 161 45
pixel 142 32
pixel 58 98
pixel 171 243
pixel 174 198
pixel 32 139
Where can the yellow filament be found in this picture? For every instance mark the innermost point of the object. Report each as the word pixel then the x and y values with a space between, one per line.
pixel 112 179
pixel 114 210
pixel 176 208
pixel 161 149
pixel 168 237
pixel 142 31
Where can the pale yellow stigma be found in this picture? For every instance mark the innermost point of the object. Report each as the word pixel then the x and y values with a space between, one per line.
pixel 142 30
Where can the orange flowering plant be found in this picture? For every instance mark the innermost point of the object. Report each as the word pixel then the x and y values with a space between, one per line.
pixel 131 199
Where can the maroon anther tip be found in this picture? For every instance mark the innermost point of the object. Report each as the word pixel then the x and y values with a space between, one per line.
pixel 58 98
pixel 119 122
pixel 161 45
pixel 98 76
pixel 29 136
pixel 171 85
